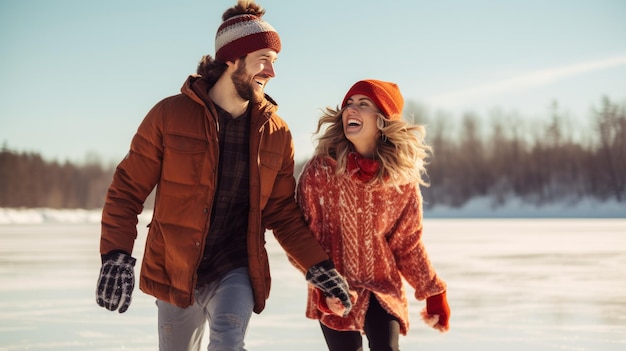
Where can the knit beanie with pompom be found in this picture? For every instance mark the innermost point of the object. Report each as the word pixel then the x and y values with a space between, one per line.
pixel 244 31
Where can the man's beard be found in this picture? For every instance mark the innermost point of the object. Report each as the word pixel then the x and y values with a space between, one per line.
pixel 244 84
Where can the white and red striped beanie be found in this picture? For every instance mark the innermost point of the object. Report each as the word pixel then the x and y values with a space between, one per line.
pixel 243 34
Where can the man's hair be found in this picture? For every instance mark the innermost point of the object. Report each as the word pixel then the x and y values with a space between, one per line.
pixel 210 70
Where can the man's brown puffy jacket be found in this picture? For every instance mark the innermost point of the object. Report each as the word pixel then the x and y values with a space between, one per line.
pixel 176 150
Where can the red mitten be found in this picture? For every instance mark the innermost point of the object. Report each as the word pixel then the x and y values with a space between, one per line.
pixel 437 312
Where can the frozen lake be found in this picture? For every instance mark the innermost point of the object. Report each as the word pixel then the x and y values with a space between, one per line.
pixel 514 284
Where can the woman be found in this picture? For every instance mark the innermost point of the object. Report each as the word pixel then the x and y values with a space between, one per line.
pixel 360 195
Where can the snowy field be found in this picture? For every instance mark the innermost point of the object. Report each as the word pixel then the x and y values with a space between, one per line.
pixel 514 284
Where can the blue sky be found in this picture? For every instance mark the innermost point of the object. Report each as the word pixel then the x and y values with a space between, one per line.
pixel 77 77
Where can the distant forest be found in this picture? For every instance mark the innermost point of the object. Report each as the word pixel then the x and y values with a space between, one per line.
pixel 505 155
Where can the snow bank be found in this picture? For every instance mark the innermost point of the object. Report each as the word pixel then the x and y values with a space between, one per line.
pixel 47 215
pixel 476 208
pixel 484 207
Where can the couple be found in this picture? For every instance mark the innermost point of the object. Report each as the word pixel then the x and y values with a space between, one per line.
pixel 222 163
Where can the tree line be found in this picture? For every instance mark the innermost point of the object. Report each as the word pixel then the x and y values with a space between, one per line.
pixel 502 156
pixel 27 180
pixel 551 160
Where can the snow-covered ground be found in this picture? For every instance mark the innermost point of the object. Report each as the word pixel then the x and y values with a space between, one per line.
pixel 513 284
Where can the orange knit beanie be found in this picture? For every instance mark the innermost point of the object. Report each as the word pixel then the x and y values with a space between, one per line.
pixel 386 95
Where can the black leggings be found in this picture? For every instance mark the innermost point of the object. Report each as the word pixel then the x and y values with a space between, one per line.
pixel 381 328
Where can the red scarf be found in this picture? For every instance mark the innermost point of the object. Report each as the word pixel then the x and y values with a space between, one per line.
pixel 362 168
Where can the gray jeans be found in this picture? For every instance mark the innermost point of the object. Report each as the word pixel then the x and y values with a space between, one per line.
pixel 226 305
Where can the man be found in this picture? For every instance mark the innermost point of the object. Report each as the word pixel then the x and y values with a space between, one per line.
pixel 222 163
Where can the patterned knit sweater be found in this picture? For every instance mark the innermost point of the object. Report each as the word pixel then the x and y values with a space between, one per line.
pixel 372 234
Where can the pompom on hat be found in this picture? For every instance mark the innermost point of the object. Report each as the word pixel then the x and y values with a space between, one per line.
pixel 386 96
pixel 243 34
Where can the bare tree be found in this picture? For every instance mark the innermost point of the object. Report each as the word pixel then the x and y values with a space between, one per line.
pixel 611 126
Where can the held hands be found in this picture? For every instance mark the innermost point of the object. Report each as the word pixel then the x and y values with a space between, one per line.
pixel 437 312
pixel 336 306
pixel 325 277
pixel 116 282
pixel 331 304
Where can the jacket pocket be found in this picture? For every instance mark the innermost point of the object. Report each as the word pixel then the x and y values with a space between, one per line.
pixel 271 164
pixel 183 158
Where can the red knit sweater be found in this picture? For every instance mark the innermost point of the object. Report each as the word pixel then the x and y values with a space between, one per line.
pixel 373 235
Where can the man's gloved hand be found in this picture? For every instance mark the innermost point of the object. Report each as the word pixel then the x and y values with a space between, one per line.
pixel 116 282
pixel 325 277
pixel 437 312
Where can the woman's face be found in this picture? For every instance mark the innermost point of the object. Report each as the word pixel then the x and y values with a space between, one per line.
pixel 359 124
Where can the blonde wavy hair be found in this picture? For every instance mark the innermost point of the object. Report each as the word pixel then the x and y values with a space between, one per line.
pixel 401 150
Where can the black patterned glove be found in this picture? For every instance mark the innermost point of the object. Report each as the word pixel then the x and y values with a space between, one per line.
pixel 325 277
pixel 116 282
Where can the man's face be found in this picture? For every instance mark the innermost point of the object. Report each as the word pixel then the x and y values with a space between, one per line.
pixel 253 73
